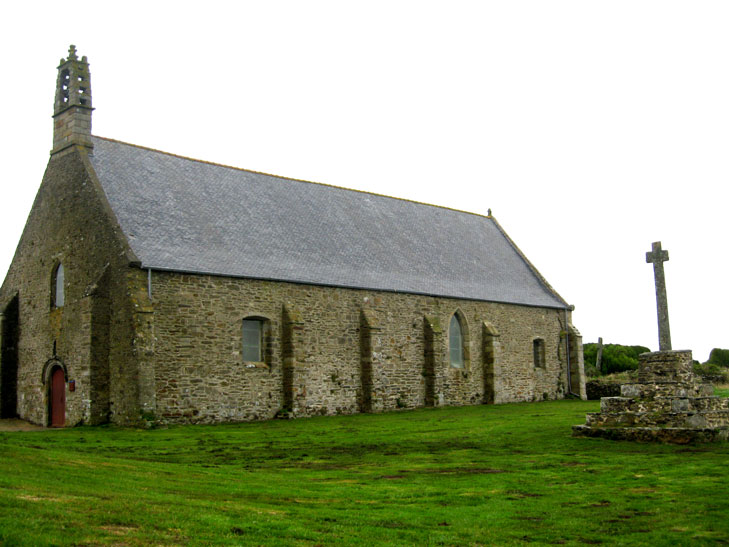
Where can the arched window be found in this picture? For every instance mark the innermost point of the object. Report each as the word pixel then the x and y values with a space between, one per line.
pixel 253 350
pixel 455 342
pixel 58 296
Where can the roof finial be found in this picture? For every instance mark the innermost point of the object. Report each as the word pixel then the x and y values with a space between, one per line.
pixel 489 211
pixel 72 53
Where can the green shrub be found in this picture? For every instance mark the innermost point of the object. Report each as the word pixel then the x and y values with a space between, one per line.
pixel 719 357
pixel 615 357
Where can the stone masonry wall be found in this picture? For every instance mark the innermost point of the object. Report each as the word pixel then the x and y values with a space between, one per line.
pixel 337 350
pixel 70 224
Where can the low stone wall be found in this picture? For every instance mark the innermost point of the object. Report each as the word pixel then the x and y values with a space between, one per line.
pixel 712 379
pixel 597 390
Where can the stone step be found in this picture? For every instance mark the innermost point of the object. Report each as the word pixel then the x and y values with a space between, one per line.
pixel 718 418
pixel 666 366
pixel 650 390
pixel 697 404
pixel 665 375
pixel 654 434
pixel 663 404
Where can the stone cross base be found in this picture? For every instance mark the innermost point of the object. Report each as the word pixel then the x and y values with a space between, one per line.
pixel 666 404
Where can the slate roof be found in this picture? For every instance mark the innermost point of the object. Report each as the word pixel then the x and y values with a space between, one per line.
pixel 191 216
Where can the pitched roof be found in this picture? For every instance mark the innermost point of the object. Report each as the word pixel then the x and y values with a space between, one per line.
pixel 190 216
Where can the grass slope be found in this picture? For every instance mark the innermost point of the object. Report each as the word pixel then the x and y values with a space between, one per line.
pixel 455 476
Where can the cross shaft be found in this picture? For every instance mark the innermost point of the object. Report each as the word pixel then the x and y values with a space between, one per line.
pixel 657 257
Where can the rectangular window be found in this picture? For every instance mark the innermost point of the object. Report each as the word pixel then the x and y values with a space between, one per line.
pixel 539 359
pixel 57 289
pixel 252 340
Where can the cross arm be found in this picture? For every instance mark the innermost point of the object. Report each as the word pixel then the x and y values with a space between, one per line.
pixel 657 255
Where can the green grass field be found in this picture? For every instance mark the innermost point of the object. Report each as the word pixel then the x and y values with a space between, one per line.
pixel 482 475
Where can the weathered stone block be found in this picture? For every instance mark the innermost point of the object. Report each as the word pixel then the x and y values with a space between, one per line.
pixel 617 404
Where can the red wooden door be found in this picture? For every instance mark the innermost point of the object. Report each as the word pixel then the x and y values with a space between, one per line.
pixel 58 398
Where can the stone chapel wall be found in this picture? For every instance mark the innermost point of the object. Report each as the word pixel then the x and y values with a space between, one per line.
pixel 346 351
pixel 68 224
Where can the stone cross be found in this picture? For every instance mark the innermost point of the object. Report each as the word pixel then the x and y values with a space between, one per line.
pixel 657 257
pixel 598 359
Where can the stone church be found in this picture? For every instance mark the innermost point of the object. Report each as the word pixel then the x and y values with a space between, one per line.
pixel 149 287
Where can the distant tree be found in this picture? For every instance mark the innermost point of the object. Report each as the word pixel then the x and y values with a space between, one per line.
pixel 615 357
pixel 719 357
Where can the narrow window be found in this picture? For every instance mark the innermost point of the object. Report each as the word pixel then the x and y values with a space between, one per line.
pixel 539 359
pixel 455 342
pixel 57 291
pixel 253 340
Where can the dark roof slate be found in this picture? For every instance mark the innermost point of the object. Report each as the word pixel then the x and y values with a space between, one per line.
pixel 190 216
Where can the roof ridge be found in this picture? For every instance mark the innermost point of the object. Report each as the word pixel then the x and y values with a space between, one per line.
pixel 225 166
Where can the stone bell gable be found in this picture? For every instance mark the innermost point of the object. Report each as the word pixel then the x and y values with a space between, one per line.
pixel 149 287
pixel 72 107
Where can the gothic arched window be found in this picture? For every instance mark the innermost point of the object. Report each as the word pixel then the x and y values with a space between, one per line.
pixel 455 342
pixel 58 296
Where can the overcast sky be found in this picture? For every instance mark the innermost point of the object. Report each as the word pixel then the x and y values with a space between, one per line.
pixel 591 129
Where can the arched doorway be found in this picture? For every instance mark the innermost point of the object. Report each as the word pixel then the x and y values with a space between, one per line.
pixel 57 397
pixel 9 331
